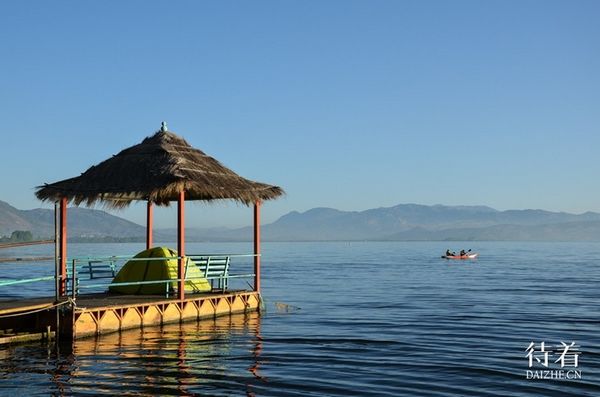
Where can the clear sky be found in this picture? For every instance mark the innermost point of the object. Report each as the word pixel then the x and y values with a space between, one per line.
pixel 345 104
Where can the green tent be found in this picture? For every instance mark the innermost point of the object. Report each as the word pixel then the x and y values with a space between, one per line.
pixel 157 269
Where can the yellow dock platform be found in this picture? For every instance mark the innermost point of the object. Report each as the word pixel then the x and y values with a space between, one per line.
pixel 97 314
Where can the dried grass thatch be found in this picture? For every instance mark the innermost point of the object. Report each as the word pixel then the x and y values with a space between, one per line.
pixel 157 170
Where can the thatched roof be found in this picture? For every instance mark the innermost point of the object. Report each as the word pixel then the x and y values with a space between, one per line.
pixel 157 170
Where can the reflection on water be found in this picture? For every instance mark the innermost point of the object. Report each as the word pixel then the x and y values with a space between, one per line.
pixel 220 356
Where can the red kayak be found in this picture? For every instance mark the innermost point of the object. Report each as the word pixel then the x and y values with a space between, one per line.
pixel 468 256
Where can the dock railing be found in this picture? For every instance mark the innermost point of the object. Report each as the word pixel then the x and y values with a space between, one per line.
pixel 10 282
pixel 96 273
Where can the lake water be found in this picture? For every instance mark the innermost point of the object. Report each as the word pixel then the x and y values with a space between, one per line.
pixel 351 319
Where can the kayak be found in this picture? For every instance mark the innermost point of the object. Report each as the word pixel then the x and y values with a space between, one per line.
pixel 468 256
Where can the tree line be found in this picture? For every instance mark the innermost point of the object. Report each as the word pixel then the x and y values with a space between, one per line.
pixel 18 236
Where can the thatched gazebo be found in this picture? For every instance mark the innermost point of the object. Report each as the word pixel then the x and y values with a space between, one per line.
pixel 161 169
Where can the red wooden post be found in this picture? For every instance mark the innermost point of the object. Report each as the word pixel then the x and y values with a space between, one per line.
pixel 181 244
pixel 257 246
pixel 149 222
pixel 63 247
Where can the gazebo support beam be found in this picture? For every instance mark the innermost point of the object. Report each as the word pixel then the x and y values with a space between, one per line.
pixel 149 224
pixel 181 245
pixel 257 246
pixel 63 248
pixel 56 252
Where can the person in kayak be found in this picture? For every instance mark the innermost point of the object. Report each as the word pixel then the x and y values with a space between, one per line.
pixel 463 252
pixel 448 253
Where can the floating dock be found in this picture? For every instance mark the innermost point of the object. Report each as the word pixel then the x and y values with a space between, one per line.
pixel 96 314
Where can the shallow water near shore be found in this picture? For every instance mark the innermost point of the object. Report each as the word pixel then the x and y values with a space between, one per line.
pixel 344 319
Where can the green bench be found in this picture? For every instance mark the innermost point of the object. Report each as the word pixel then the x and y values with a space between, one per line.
pixel 215 269
pixel 101 269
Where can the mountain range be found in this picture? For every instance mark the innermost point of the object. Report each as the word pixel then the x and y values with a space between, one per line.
pixel 403 222
pixel 81 222
pixel 413 222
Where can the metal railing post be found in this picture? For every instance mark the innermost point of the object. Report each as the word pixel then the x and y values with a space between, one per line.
pixel 74 279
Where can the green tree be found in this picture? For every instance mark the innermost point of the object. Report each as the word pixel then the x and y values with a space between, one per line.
pixel 21 235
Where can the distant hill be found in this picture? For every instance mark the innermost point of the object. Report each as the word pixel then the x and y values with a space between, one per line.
pixel 420 222
pixel 413 222
pixel 569 231
pixel 404 222
pixel 81 222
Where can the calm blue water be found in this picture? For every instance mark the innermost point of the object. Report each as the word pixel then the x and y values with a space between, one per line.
pixel 351 319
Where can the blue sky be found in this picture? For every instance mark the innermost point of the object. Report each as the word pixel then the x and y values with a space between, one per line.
pixel 345 104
